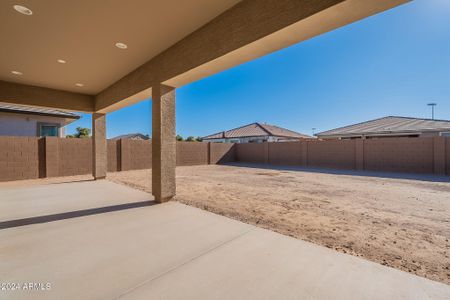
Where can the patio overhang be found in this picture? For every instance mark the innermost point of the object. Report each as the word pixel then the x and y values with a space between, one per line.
pixel 172 46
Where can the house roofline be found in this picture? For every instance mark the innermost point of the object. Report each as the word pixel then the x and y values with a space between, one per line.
pixel 18 111
pixel 324 133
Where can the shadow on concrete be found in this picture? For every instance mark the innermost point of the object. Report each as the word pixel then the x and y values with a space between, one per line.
pixel 391 175
pixel 69 181
pixel 73 214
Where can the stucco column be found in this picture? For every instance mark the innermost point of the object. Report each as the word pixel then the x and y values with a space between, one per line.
pixel 99 155
pixel 163 143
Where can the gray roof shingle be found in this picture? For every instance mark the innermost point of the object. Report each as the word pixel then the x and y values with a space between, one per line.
pixel 22 109
pixel 388 125
pixel 257 129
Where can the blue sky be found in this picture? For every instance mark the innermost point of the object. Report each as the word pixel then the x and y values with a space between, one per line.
pixel 393 63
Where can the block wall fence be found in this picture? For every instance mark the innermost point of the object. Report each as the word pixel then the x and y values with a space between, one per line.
pixel 30 157
pixel 411 155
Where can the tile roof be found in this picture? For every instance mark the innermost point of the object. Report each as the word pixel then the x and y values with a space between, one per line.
pixel 386 125
pixel 132 136
pixel 256 129
pixel 31 110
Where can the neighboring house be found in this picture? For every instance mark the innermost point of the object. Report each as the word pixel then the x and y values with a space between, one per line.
pixel 255 133
pixel 390 126
pixel 133 136
pixel 20 120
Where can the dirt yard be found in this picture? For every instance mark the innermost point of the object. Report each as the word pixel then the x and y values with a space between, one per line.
pixel 402 223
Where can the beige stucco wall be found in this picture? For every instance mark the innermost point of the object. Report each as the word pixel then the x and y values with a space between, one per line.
pixel 26 125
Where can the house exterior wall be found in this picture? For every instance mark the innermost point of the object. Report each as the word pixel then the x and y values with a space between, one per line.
pixel 12 124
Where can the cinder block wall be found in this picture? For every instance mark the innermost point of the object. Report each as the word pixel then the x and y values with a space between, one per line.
pixel 332 154
pixel 448 155
pixel 251 153
pixel 415 155
pixel 399 155
pixel 113 152
pixel 28 158
pixel 285 153
pixel 74 156
pixel 19 158
pixel 136 154
pixel 221 153
pixel 190 154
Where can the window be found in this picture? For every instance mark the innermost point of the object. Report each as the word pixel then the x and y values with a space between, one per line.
pixel 48 130
pixel 446 134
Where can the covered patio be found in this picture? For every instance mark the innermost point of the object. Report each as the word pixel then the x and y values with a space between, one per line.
pixel 173 251
pixel 95 59
pixel 99 240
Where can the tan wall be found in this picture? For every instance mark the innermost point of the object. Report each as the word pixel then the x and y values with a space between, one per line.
pixel 252 152
pixel 19 158
pixel 136 154
pixel 286 153
pixel 189 154
pixel 31 157
pixel 331 154
pixel 74 156
pixel 113 152
pixel 399 155
pixel 416 155
pixel 447 154
pixel 222 153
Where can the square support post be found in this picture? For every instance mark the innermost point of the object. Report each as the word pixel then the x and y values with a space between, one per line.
pixel 163 143
pixel 99 155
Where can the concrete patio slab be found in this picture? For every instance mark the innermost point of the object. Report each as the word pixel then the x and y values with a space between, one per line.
pixel 18 202
pixel 173 251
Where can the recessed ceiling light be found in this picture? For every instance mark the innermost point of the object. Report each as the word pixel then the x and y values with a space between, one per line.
pixel 121 46
pixel 79 84
pixel 17 73
pixel 23 10
pixel 61 61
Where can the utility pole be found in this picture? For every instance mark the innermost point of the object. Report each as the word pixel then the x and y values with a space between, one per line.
pixel 432 109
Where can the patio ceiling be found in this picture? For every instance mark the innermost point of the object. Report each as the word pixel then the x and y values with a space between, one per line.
pixel 84 33
pixel 171 42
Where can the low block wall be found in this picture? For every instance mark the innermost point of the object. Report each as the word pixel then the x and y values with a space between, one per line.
pixel 135 154
pixel 29 157
pixel 448 155
pixel 285 153
pixel 190 154
pixel 414 155
pixel 251 153
pixel 74 157
pixel 331 154
pixel 399 155
pixel 221 153
pixel 113 152
pixel 20 158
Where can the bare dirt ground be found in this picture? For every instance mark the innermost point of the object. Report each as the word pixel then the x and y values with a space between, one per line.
pixel 401 223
